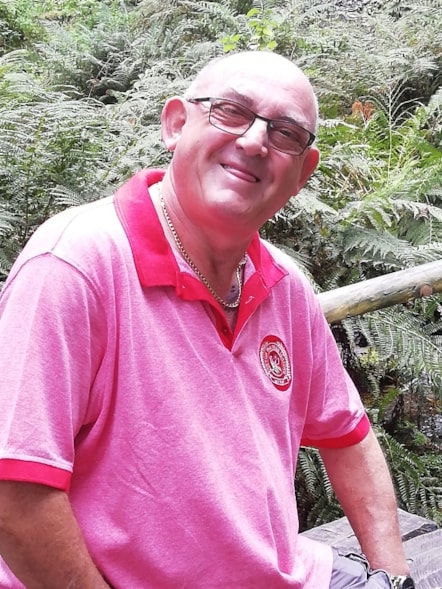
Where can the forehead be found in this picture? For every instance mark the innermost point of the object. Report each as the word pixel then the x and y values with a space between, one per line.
pixel 270 86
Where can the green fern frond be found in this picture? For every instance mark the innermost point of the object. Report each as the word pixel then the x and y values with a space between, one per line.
pixel 397 333
pixel 418 210
pixel 6 220
pixel 315 497
pixel 415 479
pixel 380 249
pixel 65 197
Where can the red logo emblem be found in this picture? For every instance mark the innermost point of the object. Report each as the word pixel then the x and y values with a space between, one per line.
pixel 276 362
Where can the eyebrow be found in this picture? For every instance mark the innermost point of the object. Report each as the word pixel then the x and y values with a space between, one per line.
pixel 247 101
pixel 235 95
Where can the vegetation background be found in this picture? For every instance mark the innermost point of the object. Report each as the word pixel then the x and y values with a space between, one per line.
pixel 82 83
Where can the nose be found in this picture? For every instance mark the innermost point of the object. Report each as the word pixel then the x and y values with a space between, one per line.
pixel 255 140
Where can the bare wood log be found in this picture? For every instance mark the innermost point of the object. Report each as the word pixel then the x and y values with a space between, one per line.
pixel 383 291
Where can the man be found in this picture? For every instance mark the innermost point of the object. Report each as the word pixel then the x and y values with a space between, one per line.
pixel 161 366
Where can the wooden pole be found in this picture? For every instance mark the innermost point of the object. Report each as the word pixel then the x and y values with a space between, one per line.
pixel 383 291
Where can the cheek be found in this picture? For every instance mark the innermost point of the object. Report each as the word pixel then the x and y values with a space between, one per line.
pixel 192 147
pixel 286 176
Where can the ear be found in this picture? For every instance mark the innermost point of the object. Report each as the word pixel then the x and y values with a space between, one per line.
pixel 309 165
pixel 173 117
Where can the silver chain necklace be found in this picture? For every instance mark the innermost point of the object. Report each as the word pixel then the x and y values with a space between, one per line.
pixel 188 259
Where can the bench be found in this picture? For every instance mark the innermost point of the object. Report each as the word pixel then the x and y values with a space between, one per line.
pixel 422 542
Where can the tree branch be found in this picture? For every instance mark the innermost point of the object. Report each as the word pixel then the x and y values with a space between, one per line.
pixel 383 291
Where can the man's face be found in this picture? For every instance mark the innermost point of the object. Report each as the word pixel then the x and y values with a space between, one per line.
pixel 240 182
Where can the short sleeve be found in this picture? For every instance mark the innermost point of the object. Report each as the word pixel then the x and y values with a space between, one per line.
pixel 335 415
pixel 52 334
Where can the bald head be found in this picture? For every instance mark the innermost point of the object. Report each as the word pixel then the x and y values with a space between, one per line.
pixel 277 71
pixel 242 141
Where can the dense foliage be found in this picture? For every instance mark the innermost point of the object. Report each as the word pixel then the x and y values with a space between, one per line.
pixel 82 83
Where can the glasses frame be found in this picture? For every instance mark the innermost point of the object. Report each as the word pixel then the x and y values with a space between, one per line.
pixel 270 122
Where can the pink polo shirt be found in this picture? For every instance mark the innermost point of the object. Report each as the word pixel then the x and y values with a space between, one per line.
pixel 177 440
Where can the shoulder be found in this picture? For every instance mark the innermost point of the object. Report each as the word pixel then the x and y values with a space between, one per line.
pixel 295 274
pixel 80 236
pixel 75 226
pixel 295 294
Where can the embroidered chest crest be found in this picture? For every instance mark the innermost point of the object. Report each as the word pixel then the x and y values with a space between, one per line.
pixel 275 361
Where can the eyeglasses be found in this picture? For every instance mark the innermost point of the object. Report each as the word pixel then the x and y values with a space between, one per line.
pixel 232 117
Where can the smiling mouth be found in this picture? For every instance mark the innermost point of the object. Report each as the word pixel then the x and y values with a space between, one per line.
pixel 239 173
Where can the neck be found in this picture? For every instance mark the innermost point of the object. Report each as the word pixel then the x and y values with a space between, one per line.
pixel 221 277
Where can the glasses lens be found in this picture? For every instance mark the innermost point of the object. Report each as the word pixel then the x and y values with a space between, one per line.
pixel 230 116
pixel 288 137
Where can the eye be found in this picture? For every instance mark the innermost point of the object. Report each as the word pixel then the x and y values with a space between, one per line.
pixel 230 110
pixel 287 132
